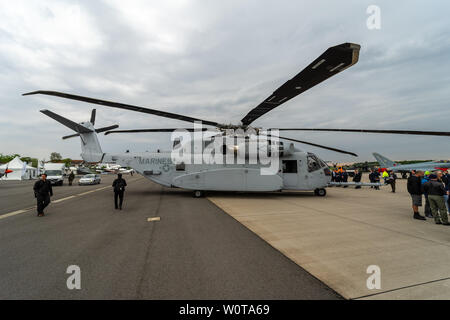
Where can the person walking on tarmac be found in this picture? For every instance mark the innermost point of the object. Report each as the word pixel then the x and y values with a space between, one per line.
pixel 71 177
pixel 119 188
pixel 436 190
pixel 42 192
pixel 392 177
pixel 414 186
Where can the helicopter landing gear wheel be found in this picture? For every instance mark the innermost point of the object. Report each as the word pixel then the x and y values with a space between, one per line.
pixel 198 194
pixel 320 192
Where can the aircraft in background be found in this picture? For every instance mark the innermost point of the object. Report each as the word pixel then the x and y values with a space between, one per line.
pixel 4 172
pixel 406 168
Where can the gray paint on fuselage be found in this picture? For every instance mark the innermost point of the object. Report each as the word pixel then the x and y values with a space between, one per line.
pixel 159 167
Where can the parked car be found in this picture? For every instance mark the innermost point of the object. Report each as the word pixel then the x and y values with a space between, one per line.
pixel 89 179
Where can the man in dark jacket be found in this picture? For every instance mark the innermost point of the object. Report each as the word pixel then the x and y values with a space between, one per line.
pixel 344 177
pixel 42 192
pixel 436 190
pixel 357 178
pixel 71 177
pixel 415 190
pixel 427 210
pixel 119 188
pixel 446 180
pixel 371 177
pixel 376 178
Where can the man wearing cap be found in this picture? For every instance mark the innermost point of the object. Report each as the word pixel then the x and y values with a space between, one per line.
pixel 436 190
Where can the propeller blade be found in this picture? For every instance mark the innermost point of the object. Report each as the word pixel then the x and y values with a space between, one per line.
pixel 106 128
pixel 331 62
pixel 68 123
pixel 315 145
pixel 96 130
pixel 93 116
pixel 71 136
pixel 412 132
pixel 122 106
pixel 152 130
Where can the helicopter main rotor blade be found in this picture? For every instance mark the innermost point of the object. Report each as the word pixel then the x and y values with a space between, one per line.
pixel 154 130
pixel 315 145
pixel 122 106
pixel 412 132
pixel 331 62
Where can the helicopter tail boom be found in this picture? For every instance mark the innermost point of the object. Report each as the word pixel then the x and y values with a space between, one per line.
pixel 91 150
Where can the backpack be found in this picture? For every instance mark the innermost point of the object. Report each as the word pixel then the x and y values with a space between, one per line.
pixel 119 186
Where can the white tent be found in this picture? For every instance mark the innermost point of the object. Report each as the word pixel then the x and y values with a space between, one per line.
pixel 21 171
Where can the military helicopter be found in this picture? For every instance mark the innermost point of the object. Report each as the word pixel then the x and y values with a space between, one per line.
pixel 296 169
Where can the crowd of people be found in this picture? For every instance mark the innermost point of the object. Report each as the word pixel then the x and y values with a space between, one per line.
pixel 435 188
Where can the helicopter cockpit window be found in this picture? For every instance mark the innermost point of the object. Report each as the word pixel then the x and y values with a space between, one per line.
pixel 313 163
pixel 289 166
pixel 176 143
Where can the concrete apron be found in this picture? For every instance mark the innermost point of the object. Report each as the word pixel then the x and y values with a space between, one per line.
pixel 336 239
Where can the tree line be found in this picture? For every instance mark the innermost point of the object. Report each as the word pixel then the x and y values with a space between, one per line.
pixel 54 157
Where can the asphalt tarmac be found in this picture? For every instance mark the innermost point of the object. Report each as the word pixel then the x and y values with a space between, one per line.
pixel 194 251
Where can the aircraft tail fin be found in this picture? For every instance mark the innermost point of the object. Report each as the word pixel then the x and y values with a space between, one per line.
pixel 90 146
pixel 383 161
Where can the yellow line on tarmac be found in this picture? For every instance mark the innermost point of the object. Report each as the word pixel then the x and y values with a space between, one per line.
pixel 154 219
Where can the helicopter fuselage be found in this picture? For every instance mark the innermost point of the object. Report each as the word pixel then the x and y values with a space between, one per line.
pixel 297 171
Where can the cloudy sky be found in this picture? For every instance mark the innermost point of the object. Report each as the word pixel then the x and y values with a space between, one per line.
pixel 218 59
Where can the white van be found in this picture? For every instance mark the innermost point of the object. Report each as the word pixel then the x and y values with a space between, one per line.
pixel 55 173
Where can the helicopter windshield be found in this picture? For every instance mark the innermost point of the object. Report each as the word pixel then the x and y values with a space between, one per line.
pixel 314 163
